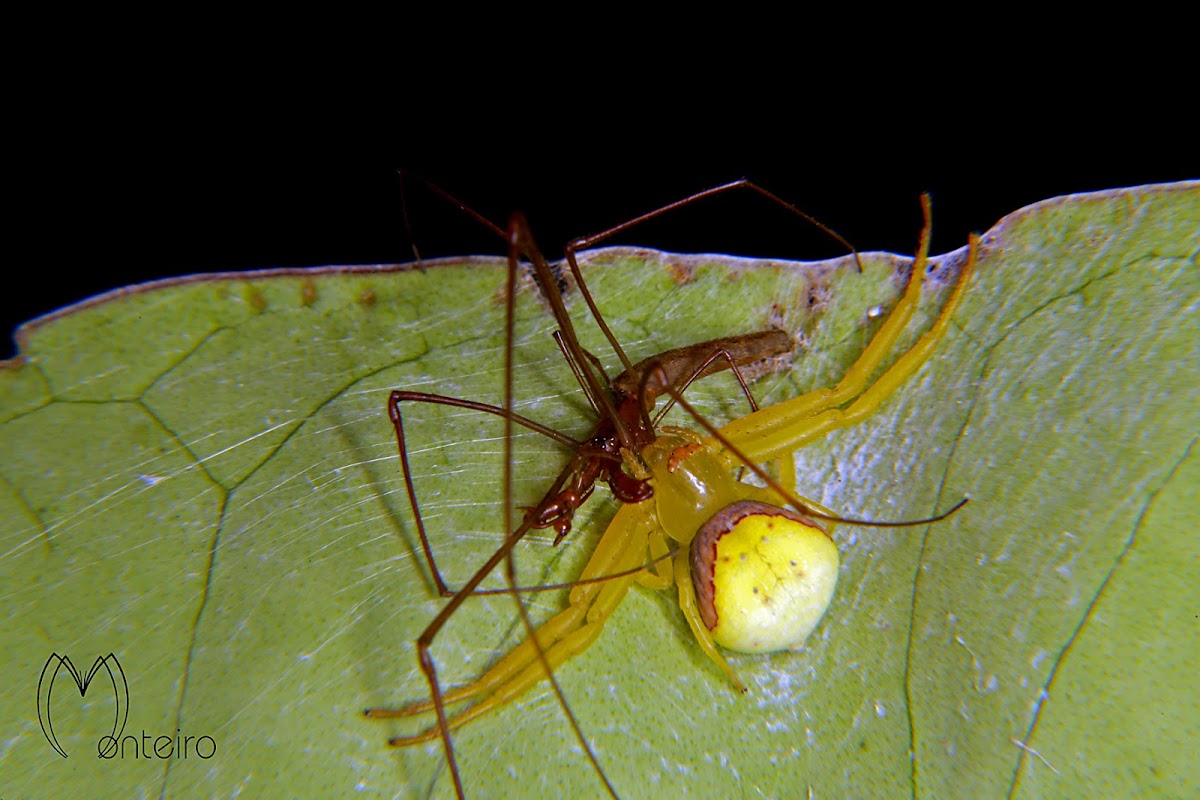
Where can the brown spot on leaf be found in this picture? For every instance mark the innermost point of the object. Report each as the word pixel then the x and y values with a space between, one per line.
pixel 682 272
pixel 255 299
pixel 308 292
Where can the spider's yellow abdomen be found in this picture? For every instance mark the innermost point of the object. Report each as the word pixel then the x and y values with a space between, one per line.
pixel 764 576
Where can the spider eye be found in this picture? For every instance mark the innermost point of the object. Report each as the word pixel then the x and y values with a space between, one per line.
pixel 763 575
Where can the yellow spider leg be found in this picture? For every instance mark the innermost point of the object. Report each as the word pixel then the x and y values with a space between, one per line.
pixel 691 611
pixel 663 576
pixel 757 433
pixel 787 479
pixel 567 646
pixel 787 474
pixel 786 431
pixel 551 632
pixel 622 547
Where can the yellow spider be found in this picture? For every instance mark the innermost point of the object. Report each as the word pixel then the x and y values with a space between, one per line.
pixel 751 574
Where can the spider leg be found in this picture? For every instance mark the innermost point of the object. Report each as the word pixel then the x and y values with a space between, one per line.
pixel 804 431
pixel 571 631
pixel 789 425
pixel 787 479
pixel 691 612
pixel 663 576
pixel 755 433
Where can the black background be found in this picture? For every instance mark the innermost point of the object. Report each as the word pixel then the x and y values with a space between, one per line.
pixel 145 197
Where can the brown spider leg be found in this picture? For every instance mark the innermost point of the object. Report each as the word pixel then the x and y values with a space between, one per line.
pixel 520 240
pixel 594 402
pixel 452 200
pixel 585 242
pixel 608 576
pixel 425 642
pixel 522 243
pixel 394 414
pixel 599 366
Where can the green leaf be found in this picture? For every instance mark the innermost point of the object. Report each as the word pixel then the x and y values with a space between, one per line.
pixel 199 477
